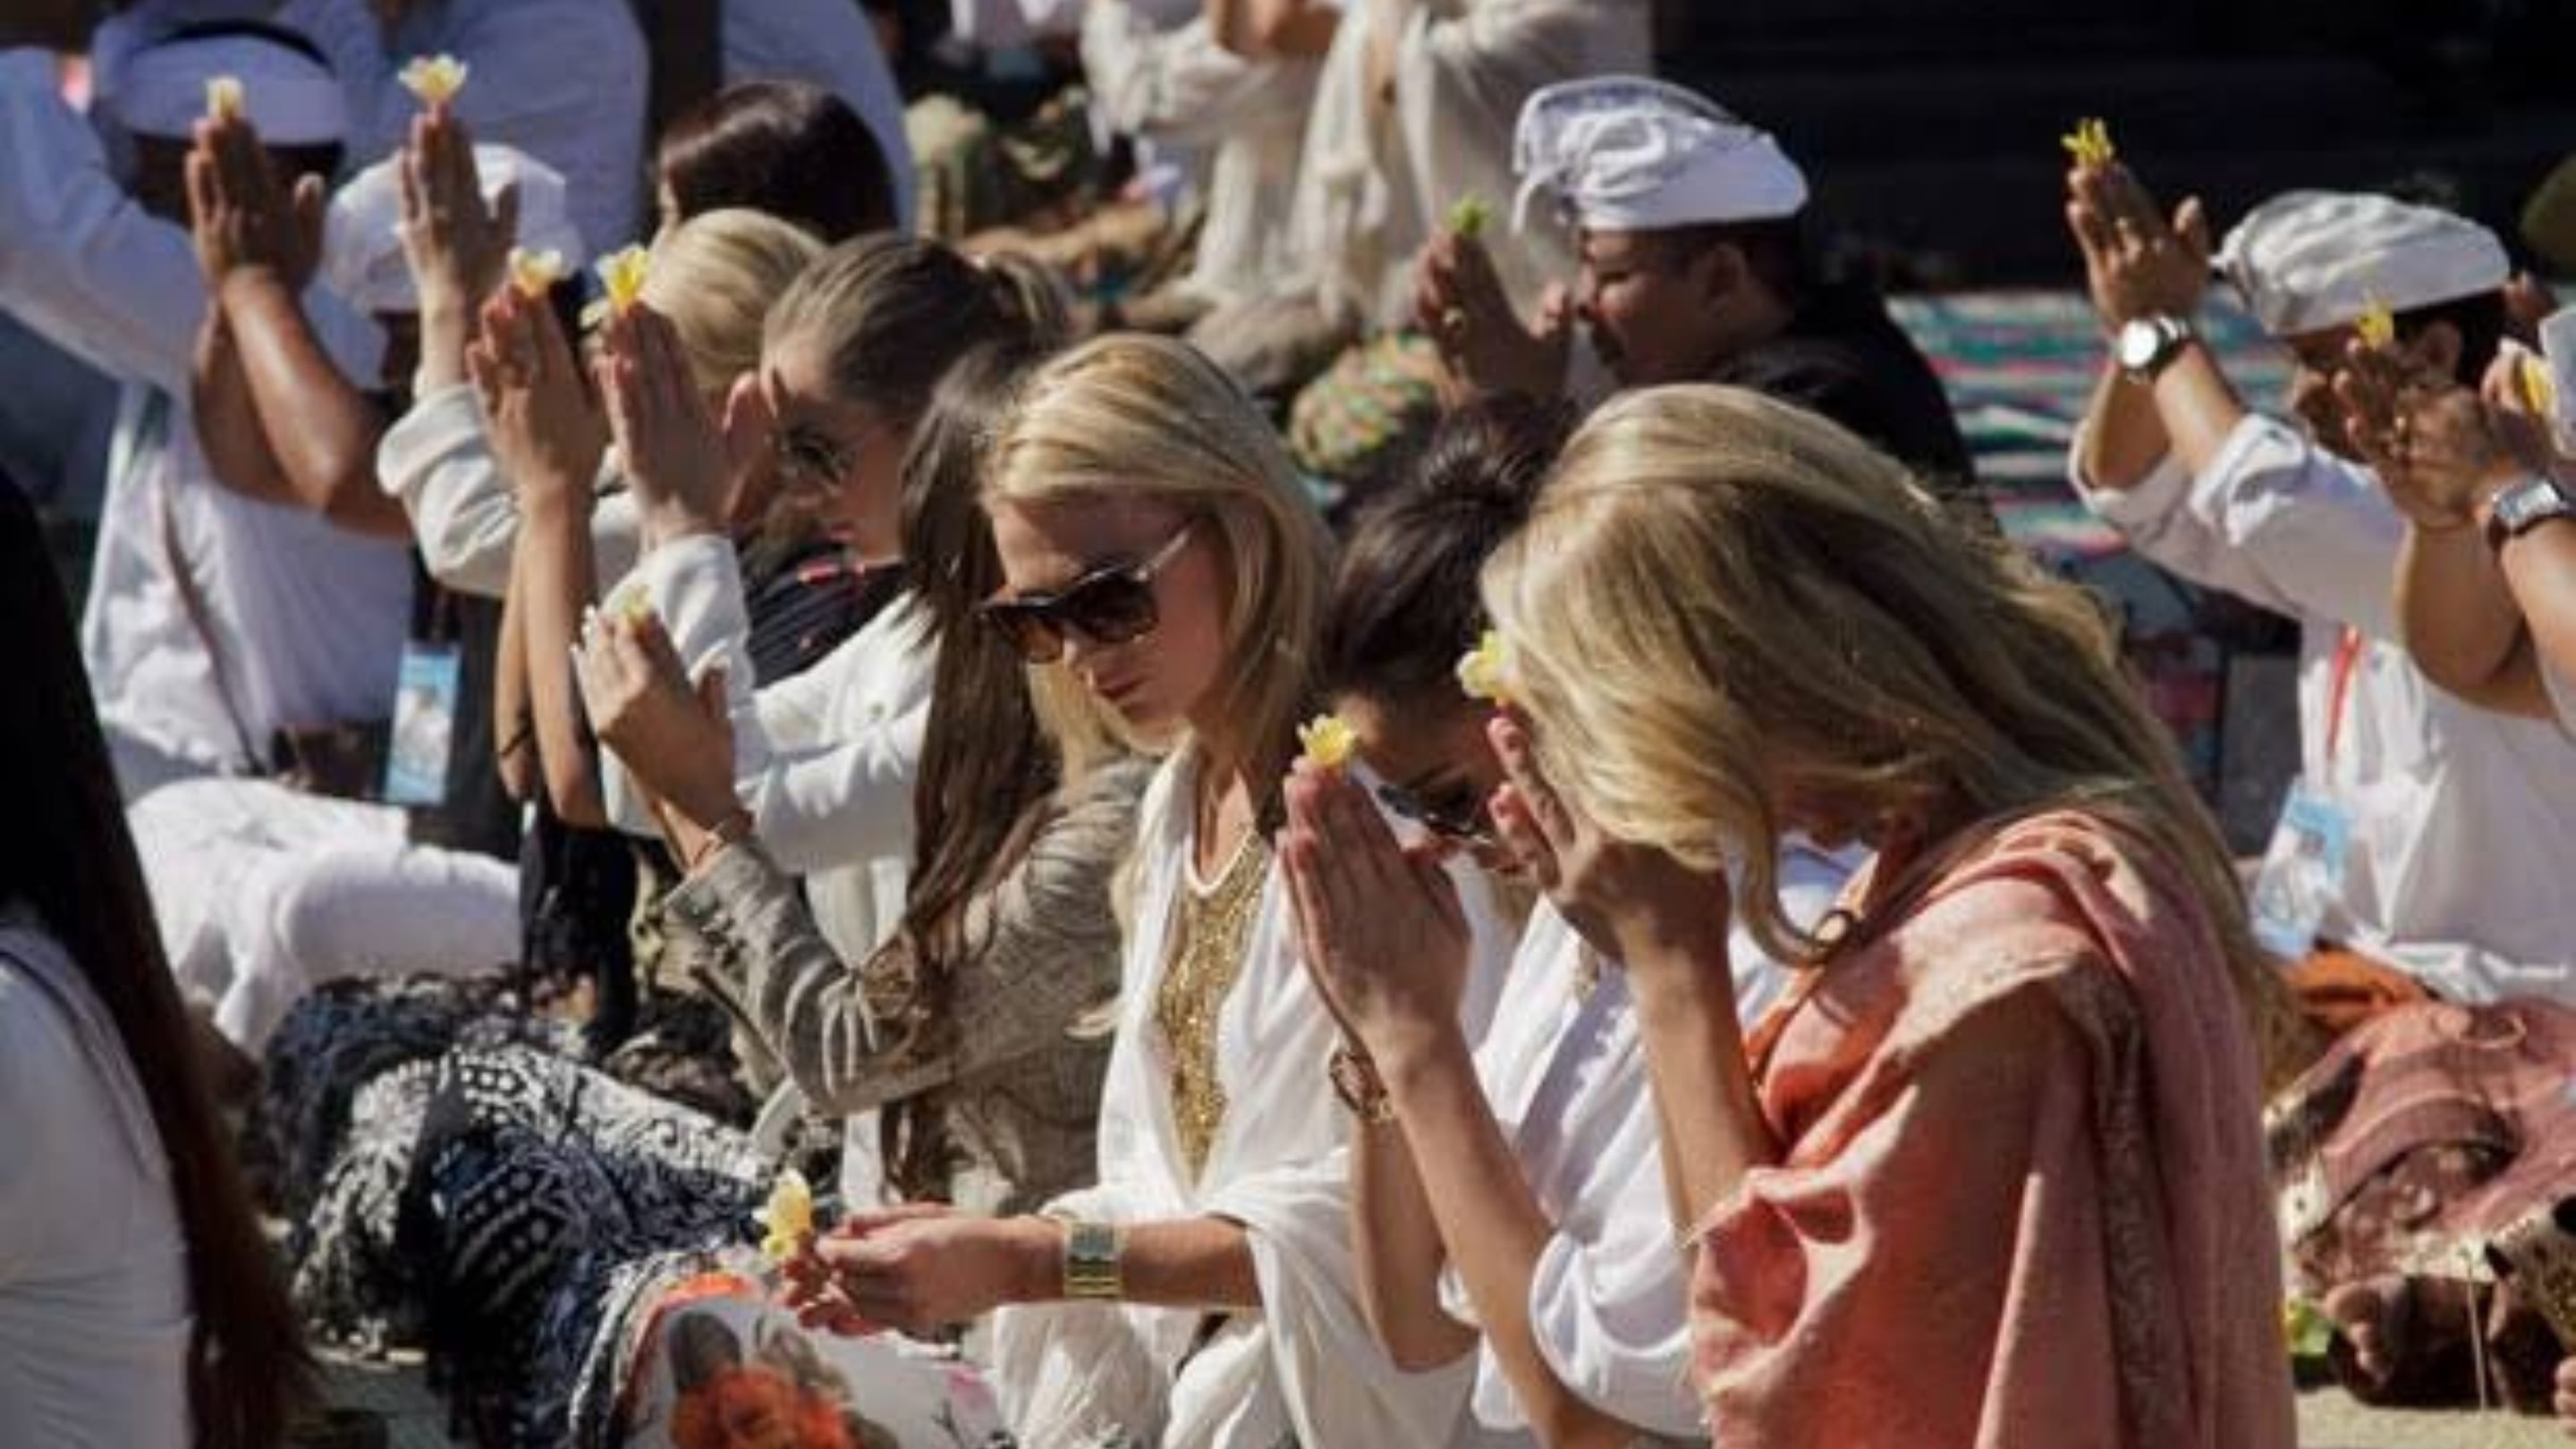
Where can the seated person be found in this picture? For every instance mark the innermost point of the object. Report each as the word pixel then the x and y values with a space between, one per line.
pixel 1693 269
pixel 2454 823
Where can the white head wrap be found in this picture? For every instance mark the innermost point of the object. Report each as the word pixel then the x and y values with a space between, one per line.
pixel 2309 260
pixel 1625 153
pixel 290 98
pixel 362 255
pixel 2558 352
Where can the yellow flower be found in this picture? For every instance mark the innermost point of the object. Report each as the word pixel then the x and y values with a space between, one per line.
pixel 535 273
pixel 434 78
pixel 1481 669
pixel 1470 216
pixel 2090 144
pixel 789 1217
pixel 2376 326
pixel 2306 1331
pixel 632 602
pixel 224 98
pixel 2539 389
pixel 1327 739
pixel 622 273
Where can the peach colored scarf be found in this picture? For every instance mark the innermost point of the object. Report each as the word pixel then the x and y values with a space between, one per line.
pixel 2022 1199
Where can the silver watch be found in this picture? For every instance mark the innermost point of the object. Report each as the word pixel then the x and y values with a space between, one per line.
pixel 2525 506
pixel 2144 345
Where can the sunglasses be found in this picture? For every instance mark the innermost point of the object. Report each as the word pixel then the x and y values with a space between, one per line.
pixel 809 463
pixel 1109 605
pixel 1457 816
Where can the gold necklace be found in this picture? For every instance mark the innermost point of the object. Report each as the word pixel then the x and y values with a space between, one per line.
pixel 1210 933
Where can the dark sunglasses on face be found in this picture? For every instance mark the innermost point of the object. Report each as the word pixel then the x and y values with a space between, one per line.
pixel 808 462
pixel 1457 816
pixel 1109 605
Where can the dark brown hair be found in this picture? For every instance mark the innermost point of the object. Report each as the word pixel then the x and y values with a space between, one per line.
pixel 986 765
pixel 793 150
pixel 1404 603
pixel 891 314
pixel 67 857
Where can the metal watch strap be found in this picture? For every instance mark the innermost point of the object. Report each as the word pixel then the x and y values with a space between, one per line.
pixel 2517 509
pixel 1093 1254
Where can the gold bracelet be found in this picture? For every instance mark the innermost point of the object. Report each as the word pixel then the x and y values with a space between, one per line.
pixel 1356 1082
pixel 1094 1261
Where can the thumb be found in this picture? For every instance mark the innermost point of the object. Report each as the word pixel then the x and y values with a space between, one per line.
pixel 308 212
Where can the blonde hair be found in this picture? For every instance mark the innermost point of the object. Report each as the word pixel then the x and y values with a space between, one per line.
pixel 1720 599
pixel 1133 416
pixel 714 276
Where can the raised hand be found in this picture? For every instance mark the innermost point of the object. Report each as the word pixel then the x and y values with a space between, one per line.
pixel 1634 904
pixel 1380 925
pixel 458 245
pixel 240 216
pixel 546 433
pixel 1458 299
pixel 921 1268
pixel 679 463
pixel 2432 442
pixel 674 737
pixel 2137 262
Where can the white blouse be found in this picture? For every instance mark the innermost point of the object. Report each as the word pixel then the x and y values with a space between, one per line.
pixel 1565 1072
pixel 94 1318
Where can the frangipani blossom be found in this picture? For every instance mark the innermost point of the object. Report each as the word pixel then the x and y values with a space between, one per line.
pixel 224 98
pixel 2376 326
pixel 1327 740
pixel 622 274
pixel 788 1219
pixel 1481 670
pixel 2090 144
pixel 2539 389
pixel 434 78
pixel 1470 216
pixel 535 273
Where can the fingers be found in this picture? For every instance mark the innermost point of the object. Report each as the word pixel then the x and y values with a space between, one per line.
pixel 2191 224
pixel 858 1225
pixel 1512 744
pixel 1518 830
pixel 203 189
pixel 2092 230
pixel 307 203
pixel 505 215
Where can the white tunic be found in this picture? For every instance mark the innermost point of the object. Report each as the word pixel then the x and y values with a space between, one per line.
pixel 1172 84
pixel 438 460
pixel 309 618
pixel 1565 1072
pixel 2463 820
pixel 94 1319
pixel 1307 1362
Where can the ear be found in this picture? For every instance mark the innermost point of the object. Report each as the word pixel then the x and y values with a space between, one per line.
pixel 2437 346
pixel 1718 274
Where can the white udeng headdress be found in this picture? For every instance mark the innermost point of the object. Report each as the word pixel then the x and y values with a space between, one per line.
pixel 1629 153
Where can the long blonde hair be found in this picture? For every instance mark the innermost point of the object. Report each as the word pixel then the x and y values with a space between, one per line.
pixel 1135 416
pixel 1719 595
pixel 715 276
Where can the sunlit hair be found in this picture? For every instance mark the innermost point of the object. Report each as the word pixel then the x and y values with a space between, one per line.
pixel 1133 416
pixel 886 316
pixel 715 277
pixel 1721 600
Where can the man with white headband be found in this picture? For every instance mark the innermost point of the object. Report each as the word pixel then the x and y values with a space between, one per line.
pixel 2425 846
pixel 1694 269
pixel 213 621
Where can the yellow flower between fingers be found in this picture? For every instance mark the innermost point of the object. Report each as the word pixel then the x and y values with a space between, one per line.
pixel 1327 740
pixel 224 98
pixel 2539 389
pixel 632 602
pixel 622 273
pixel 535 273
pixel 434 78
pixel 2306 1331
pixel 1481 670
pixel 2090 144
pixel 788 1219
pixel 1470 216
pixel 2376 326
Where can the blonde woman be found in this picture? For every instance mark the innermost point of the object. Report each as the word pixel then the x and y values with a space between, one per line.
pixel 1165 574
pixel 1990 1174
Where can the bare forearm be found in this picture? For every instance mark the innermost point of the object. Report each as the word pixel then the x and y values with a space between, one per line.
pixel 555 564
pixel 1397 1244
pixel 2540 566
pixel 1493 1229
pixel 445 331
pixel 323 430
pixel 228 428
pixel 513 715
pixel 1712 1122
pixel 2456 609
pixel 1190 1263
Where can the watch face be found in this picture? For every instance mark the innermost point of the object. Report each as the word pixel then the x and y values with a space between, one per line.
pixel 2527 504
pixel 2139 341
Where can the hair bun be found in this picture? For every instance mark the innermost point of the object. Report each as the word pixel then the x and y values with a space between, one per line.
pixel 1493 453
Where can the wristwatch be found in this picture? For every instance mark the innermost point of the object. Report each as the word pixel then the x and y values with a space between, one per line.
pixel 1092 1269
pixel 1356 1082
pixel 2524 506
pixel 2144 345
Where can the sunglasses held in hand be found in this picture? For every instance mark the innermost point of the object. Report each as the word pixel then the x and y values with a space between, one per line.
pixel 1109 605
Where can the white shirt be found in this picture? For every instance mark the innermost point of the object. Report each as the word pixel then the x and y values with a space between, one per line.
pixel 2463 820
pixel 1171 83
pixel 438 460
pixel 309 618
pixel 562 80
pixel 825 761
pixel 826 43
pixel 1565 1072
pixel 94 1316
